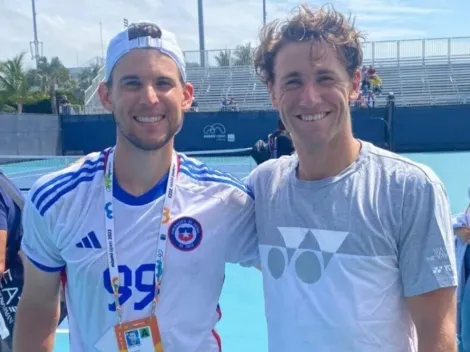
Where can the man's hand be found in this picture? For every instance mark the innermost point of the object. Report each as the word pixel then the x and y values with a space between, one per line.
pixel 463 233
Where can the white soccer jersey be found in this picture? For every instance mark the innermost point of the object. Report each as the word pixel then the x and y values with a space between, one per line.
pixel 213 223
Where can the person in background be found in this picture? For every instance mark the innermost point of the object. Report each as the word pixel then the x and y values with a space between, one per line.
pixel 11 259
pixel 461 225
pixel 356 242
pixel 376 83
pixel 195 105
pixel 277 144
pixel 371 70
pixel 11 203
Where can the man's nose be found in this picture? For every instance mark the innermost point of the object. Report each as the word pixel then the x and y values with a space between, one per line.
pixel 310 95
pixel 149 95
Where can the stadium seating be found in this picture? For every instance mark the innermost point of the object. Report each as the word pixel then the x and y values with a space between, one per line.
pixel 414 81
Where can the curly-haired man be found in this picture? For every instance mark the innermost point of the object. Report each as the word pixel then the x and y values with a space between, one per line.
pixel 356 242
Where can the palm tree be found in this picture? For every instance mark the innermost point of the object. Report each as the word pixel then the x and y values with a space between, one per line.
pixel 50 76
pixel 223 59
pixel 87 74
pixel 13 81
pixel 243 55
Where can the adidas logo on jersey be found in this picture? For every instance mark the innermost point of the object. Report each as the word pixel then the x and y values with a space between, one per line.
pixel 89 241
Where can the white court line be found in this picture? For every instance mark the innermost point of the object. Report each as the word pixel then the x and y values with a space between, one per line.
pixel 62 331
pixel 33 169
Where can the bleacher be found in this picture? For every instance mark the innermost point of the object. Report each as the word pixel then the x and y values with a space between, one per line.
pixel 442 78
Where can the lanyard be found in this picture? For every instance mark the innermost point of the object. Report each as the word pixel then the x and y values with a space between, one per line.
pixel 110 239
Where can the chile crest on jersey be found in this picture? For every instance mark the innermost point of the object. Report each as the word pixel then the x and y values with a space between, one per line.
pixel 185 233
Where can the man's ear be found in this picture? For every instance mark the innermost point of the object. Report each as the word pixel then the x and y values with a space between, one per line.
pixel 354 93
pixel 188 96
pixel 105 96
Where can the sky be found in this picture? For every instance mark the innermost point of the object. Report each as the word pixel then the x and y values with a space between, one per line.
pixel 70 29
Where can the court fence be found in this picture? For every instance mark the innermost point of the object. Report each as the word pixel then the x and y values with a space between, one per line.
pixel 401 129
pixel 30 134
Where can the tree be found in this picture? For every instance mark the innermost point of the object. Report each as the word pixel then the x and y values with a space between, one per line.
pixel 243 55
pixel 50 76
pixel 13 82
pixel 87 74
pixel 223 58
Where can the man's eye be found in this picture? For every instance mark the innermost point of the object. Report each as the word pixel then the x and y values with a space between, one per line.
pixel 132 84
pixel 293 82
pixel 325 79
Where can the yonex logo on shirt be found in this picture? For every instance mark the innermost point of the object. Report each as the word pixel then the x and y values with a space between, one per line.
pixel 89 241
pixel 315 246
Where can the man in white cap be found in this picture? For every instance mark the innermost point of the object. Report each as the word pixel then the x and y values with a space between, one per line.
pixel 142 232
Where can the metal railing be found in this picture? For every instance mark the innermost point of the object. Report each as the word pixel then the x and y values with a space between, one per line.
pixel 381 54
pixel 390 51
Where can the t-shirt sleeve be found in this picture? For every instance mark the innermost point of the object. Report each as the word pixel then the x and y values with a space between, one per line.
pixel 242 246
pixel 3 214
pixel 426 243
pixel 37 243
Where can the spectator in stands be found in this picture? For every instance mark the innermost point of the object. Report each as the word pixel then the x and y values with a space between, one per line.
pixel 376 83
pixel 363 75
pixel 365 85
pixel 195 105
pixel 371 71
pixel 232 105
pixel 370 99
pixel 224 105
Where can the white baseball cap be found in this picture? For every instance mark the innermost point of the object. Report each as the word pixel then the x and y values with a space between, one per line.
pixel 167 44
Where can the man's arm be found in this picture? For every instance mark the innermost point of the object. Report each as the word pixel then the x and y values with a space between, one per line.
pixel 3 234
pixel 242 245
pixel 434 315
pixel 38 311
pixel 427 263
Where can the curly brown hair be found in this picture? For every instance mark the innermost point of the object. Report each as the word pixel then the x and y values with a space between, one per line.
pixel 309 25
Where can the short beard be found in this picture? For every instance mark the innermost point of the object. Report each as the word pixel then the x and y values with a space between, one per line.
pixel 147 146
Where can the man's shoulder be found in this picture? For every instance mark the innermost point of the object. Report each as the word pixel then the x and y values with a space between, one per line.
pixel 203 175
pixel 48 189
pixel 401 167
pixel 269 172
pixel 273 166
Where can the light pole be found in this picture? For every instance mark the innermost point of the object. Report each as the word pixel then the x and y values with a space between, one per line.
pixel 264 12
pixel 34 46
pixel 202 45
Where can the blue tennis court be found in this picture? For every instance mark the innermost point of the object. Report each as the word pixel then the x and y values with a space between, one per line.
pixel 243 326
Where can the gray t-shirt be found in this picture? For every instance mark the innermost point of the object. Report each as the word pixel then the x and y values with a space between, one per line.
pixel 340 255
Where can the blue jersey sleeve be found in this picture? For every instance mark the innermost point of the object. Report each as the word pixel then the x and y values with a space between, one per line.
pixel 37 243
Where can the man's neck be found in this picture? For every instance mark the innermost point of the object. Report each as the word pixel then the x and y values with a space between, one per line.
pixel 329 160
pixel 137 170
